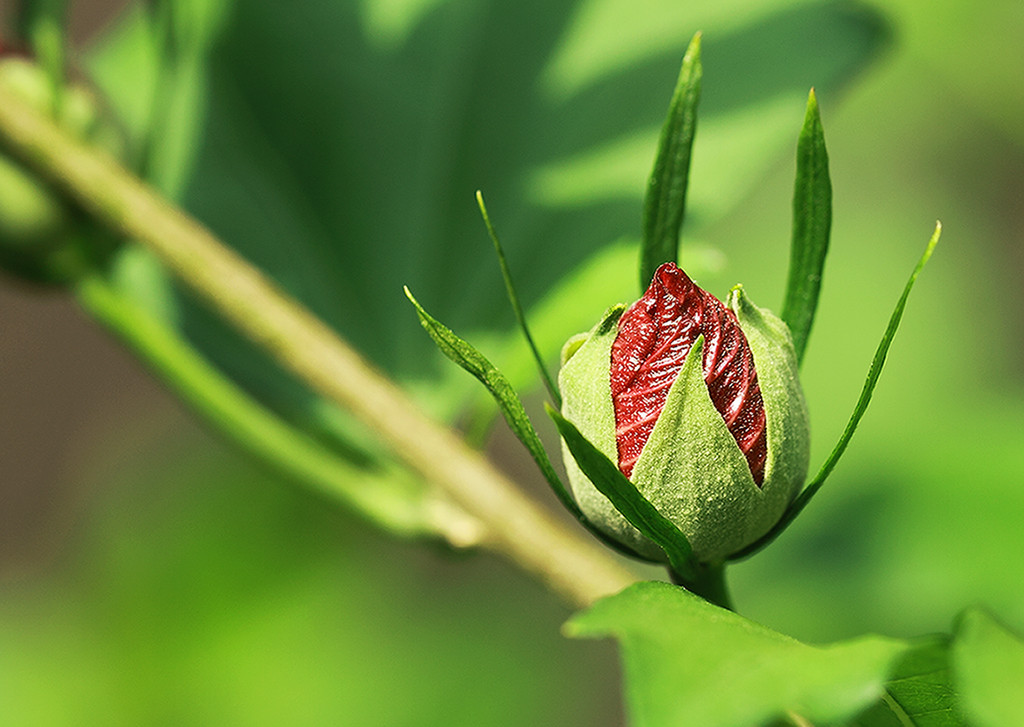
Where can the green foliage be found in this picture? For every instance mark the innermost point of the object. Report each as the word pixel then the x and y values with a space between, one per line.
pixel 626 498
pixel 201 591
pixel 812 223
pixel 334 144
pixel 353 154
pixel 468 358
pixel 688 662
pixel 517 307
pixel 861 406
pixel 665 201
pixel 918 692
pixel 988 668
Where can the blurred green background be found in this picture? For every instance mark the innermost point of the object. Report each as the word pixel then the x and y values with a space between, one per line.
pixel 150 575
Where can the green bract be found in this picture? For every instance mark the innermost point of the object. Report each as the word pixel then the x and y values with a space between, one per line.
pixel 691 468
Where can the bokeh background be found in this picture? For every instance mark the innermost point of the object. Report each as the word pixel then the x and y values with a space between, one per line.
pixel 151 574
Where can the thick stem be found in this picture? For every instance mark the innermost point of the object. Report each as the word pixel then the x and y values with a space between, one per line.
pixel 578 569
pixel 709 583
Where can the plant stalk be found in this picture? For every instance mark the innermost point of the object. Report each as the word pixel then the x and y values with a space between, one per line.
pixel 578 569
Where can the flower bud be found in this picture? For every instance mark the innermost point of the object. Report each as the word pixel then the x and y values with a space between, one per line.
pixel 701 407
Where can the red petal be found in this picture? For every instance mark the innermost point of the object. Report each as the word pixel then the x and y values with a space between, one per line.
pixel 655 335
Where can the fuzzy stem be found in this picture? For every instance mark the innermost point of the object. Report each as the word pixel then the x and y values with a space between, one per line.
pixel 576 568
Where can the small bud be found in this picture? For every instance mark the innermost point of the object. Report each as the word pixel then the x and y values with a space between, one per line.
pixel 700 406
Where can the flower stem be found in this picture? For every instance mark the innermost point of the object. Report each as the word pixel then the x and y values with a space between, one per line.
pixel 576 568
pixel 709 583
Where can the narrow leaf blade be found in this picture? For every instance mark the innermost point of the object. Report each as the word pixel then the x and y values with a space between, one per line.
pixel 517 307
pixel 665 202
pixel 858 412
pixel 629 501
pixel 812 222
pixel 508 401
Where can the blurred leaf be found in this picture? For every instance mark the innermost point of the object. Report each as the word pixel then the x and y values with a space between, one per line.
pixel 688 662
pixel 665 200
pixel 988 669
pixel 154 69
pixel 463 354
pixel 627 499
pixel 340 161
pixel 812 222
pixel 197 590
pixel 918 692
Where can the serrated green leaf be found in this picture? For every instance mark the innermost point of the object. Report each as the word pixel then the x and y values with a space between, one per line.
pixel 508 401
pixel 988 671
pixel 665 201
pixel 918 693
pixel 688 662
pixel 812 221
pixel 874 372
pixel 626 498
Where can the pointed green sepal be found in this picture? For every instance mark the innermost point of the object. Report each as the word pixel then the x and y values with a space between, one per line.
pixel 858 412
pixel 665 201
pixel 504 395
pixel 812 222
pixel 627 499
pixel 517 307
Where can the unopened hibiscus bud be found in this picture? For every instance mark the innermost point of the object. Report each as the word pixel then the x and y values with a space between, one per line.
pixel 699 404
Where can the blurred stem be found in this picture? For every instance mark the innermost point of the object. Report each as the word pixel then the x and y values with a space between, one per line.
pixel 578 569
pixel 370 490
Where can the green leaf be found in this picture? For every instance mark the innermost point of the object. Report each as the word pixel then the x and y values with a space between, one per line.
pixel 688 662
pixel 665 201
pixel 517 307
pixel 988 671
pixel 812 221
pixel 874 372
pixel 918 693
pixel 335 158
pixel 626 498
pixel 508 401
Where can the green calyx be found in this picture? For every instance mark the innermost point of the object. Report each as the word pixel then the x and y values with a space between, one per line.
pixel 691 468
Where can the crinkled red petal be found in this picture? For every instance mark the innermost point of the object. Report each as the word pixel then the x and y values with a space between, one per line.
pixel 655 335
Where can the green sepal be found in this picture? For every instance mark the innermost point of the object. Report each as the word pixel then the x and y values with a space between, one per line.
pixel 513 299
pixel 626 498
pixel 665 201
pixel 504 395
pixel 874 372
pixel 587 403
pixel 812 223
